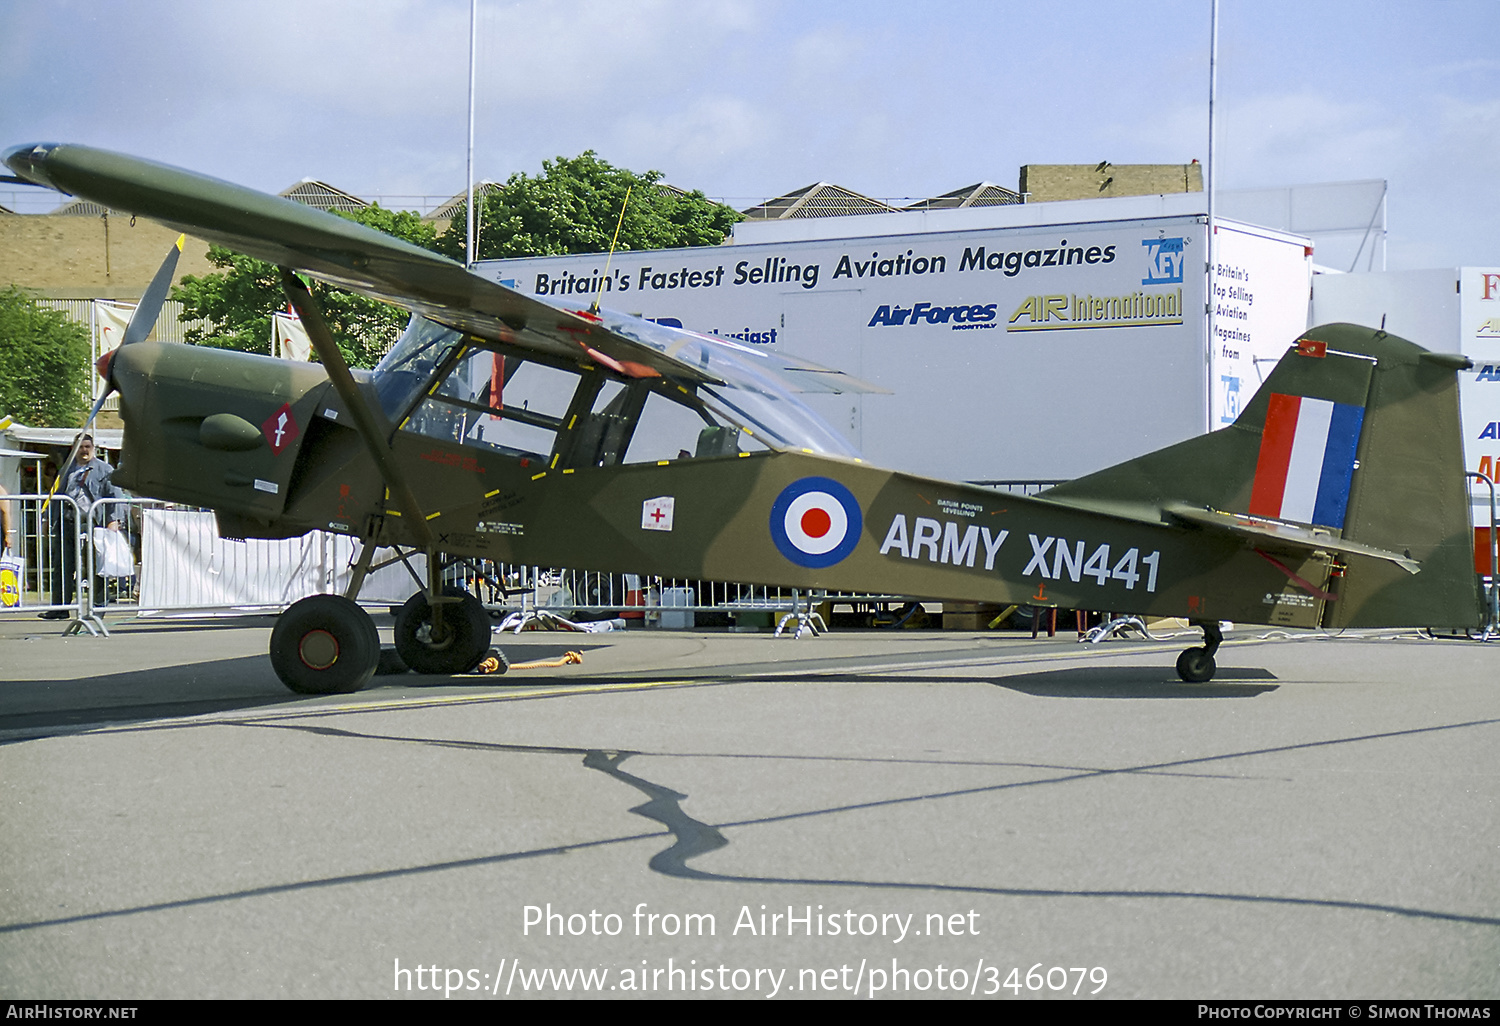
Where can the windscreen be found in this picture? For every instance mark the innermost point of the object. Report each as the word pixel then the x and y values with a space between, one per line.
pixel 758 390
pixel 406 368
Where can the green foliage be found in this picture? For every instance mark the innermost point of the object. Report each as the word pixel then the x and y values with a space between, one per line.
pixel 573 206
pixel 235 303
pixel 44 363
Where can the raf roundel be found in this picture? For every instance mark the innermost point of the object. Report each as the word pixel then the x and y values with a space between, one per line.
pixel 816 522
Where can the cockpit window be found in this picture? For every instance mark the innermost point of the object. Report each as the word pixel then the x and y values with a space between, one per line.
pixel 759 388
pixel 497 402
pixel 411 361
pixel 517 406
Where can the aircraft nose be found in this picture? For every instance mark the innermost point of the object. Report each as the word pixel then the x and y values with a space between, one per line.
pixel 30 162
pixel 129 372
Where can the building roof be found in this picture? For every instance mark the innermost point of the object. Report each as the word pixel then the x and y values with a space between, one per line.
pixel 80 208
pixel 820 199
pixel 104 438
pixel 323 196
pixel 448 209
pixel 984 194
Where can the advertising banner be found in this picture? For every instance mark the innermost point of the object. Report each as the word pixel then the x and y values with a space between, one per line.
pixel 1260 294
pixel 1479 388
pixel 1011 354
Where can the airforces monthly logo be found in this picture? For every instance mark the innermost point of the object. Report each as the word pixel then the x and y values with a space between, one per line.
pixel 816 522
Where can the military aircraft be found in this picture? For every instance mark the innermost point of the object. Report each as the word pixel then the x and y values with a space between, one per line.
pixel 505 428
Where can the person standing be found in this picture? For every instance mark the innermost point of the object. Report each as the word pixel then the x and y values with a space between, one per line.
pixel 7 525
pixel 85 482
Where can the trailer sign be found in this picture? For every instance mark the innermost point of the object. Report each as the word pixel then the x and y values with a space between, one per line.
pixel 1166 261
pixel 1017 352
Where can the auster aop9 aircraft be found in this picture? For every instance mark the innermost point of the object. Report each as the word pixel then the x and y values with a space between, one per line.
pixel 1337 499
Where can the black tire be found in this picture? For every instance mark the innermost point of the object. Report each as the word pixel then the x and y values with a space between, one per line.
pixel 1196 666
pixel 603 594
pixel 324 645
pixel 467 629
pixel 390 663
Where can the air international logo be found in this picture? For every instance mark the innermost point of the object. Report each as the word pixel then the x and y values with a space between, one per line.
pixel 1488 329
pixel 1165 261
pixel 816 522
pixel 1071 310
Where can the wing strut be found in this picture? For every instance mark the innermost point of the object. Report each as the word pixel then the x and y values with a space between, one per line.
pixel 369 430
pixel 364 419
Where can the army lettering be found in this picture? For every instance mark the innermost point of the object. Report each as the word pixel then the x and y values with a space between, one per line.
pixel 1067 557
pixel 941 541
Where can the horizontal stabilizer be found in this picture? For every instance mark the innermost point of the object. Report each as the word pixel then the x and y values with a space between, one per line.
pixel 1296 536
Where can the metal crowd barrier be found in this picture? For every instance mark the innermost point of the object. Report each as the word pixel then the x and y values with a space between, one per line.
pixel 149 558
pixel 1490 582
pixel 656 601
pixel 46 557
pixel 144 557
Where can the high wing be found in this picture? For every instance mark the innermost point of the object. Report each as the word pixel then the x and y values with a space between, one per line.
pixel 358 258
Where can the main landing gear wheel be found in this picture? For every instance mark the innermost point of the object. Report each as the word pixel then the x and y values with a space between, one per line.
pixel 1196 665
pixel 465 638
pixel 324 645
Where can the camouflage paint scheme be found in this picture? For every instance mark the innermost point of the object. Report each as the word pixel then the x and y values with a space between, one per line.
pixel 1166 534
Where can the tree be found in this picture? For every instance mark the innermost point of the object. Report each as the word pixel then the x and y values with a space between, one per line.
pixel 573 207
pixel 235 304
pixel 44 363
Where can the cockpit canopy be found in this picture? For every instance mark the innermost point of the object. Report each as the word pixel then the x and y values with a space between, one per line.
pixel 594 411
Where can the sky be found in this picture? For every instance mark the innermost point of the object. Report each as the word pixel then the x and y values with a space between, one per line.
pixel 748 99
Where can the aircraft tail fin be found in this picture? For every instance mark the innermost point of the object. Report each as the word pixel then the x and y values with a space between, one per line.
pixel 1352 446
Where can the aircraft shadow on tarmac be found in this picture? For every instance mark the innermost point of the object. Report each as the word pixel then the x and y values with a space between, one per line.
pixel 191 689
pixel 1136 682
pixel 207 687
pixel 1085 682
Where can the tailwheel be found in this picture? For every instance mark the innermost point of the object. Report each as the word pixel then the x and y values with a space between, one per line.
pixel 463 640
pixel 1196 666
pixel 324 645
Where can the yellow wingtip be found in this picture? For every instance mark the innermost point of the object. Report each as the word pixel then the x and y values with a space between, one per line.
pixel 181 240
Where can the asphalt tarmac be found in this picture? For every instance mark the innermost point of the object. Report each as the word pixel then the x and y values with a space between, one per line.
pixel 863 814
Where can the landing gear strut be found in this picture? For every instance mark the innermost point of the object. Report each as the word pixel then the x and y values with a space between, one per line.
pixel 1196 665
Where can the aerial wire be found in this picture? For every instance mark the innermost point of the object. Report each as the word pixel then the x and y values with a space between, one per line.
pixel 600 291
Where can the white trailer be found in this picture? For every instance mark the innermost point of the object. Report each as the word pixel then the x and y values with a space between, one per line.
pixel 1451 309
pixel 1028 342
